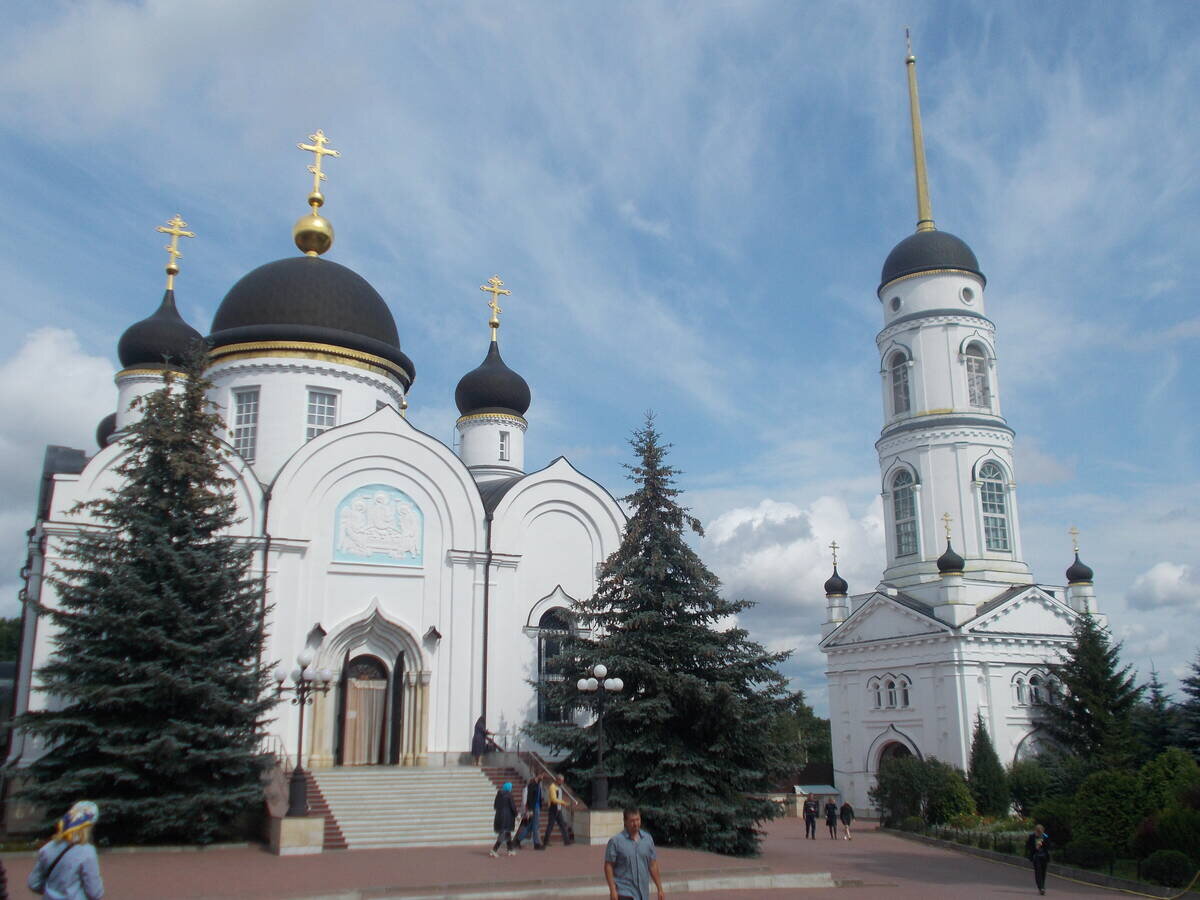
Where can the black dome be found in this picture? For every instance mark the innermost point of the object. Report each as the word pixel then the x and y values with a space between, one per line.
pixel 493 387
pixel 155 340
pixel 950 563
pixel 1079 572
pixel 926 251
pixel 306 298
pixel 105 429
pixel 836 583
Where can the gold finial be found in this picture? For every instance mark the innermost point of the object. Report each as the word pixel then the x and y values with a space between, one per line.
pixel 1074 533
pixel 924 208
pixel 833 545
pixel 175 228
pixel 946 520
pixel 313 234
pixel 495 287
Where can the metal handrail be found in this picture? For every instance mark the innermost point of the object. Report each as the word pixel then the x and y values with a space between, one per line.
pixel 537 766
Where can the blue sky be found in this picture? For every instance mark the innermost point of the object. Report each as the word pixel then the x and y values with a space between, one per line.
pixel 691 203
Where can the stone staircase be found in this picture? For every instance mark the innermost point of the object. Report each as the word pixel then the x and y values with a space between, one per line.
pixel 405 806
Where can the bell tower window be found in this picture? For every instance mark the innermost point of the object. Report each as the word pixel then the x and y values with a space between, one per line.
pixel 504 438
pixel 901 402
pixel 979 390
pixel 245 422
pixel 904 510
pixel 322 413
pixel 993 499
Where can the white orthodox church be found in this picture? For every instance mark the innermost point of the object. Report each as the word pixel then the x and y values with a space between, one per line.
pixel 947 633
pixel 430 581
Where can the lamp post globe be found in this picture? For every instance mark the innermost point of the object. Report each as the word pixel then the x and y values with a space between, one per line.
pixel 306 681
pixel 601 685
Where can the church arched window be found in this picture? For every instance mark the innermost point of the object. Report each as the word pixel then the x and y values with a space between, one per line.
pixel 876 693
pixel 553 626
pixel 1037 693
pixel 904 510
pixel 993 500
pixel 1022 692
pixel 891 695
pixel 901 402
pixel 979 389
pixel 904 686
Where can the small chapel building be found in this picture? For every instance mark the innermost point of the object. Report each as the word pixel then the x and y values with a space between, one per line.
pixel 956 627
pixel 432 582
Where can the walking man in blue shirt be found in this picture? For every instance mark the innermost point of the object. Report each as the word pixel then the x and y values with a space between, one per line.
pixel 630 862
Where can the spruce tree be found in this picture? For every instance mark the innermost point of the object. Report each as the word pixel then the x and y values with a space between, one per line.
pixel 1091 716
pixel 1154 719
pixel 1188 729
pixel 985 774
pixel 689 739
pixel 155 678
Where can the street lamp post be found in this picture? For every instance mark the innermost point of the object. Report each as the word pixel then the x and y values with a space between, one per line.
pixel 306 681
pixel 602 686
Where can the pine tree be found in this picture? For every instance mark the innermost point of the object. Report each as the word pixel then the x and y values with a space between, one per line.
pixel 1189 712
pixel 158 694
pixel 1091 716
pixel 1154 719
pixel 985 774
pixel 689 738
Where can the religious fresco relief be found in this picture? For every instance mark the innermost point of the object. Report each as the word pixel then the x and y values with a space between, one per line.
pixel 380 524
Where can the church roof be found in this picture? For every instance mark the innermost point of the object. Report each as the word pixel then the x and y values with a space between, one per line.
pixel 929 251
pixel 492 492
pixel 159 338
pixel 307 298
pixel 492 387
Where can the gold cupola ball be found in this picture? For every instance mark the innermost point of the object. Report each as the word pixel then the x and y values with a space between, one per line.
pixel 313 234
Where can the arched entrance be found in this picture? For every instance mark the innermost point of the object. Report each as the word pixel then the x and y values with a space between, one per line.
pixel 894 750
pixel 370 707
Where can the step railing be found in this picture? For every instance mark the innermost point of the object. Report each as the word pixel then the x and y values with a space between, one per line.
pixel 537 766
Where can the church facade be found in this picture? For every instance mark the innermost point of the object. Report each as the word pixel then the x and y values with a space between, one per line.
pixel 957 628
pixel 430 582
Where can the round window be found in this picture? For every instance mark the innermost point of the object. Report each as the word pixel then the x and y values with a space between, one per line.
pixel 896 304
pixel 967 295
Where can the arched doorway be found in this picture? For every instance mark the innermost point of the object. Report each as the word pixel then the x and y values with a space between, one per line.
pixel 894 750
pixel 369 711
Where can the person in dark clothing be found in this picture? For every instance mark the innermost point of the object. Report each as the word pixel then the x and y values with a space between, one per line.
pixel 831 818
pixel 506 818
pixel 533 807
pixel 811 810
pixel 847 817
pixel 1037 848
pixel 481 741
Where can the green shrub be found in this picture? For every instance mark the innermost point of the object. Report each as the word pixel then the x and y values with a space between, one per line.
pixel 1169 867
pixel 1146 838
pixel 1178 829
pixel 912 823
pixel 965 821
pixel 1109 806
pixel 1165 777
pixel 947 794
pixel 1056 815
pixel 984 840
pixel 1029 784
pixel 1008 844
pixel 900 787
pixel 1089 852
pixel 1012 823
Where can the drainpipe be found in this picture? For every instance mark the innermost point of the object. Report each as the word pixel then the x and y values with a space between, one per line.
pixel 487 584
pixel 266 552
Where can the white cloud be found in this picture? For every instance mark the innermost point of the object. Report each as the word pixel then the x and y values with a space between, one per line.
pixel 1166 584
pixel 654 227
pixel 1038 467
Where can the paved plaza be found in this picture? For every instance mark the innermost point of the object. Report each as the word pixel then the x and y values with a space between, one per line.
pixel 873 865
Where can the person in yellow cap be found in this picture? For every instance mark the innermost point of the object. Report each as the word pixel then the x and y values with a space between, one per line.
pixel 67 867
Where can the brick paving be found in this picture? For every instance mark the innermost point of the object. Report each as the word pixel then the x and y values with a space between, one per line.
pixel 873 865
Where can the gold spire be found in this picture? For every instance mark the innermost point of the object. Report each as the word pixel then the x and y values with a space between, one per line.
pixel 312 233
pixel 946 520
pixel 495 287
pixel 833 545
pixel 175 228
pixel 924 208
pixel 1074 533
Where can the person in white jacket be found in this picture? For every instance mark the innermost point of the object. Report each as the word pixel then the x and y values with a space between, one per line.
pixel 67 866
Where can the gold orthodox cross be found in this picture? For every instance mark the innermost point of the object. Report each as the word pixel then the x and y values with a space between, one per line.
pixel 947 519
pixel 495 287
pixel 319 151
pixel 176 229
pixel 1074 533
pixel 833 545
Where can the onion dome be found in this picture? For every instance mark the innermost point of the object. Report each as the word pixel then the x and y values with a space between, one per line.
pixel 105 429
pixel 836 585
pixel 309 299
pixel 929 251
pixel 1079 572
pixel 162 338
pixel 950 563
pixel 492 388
